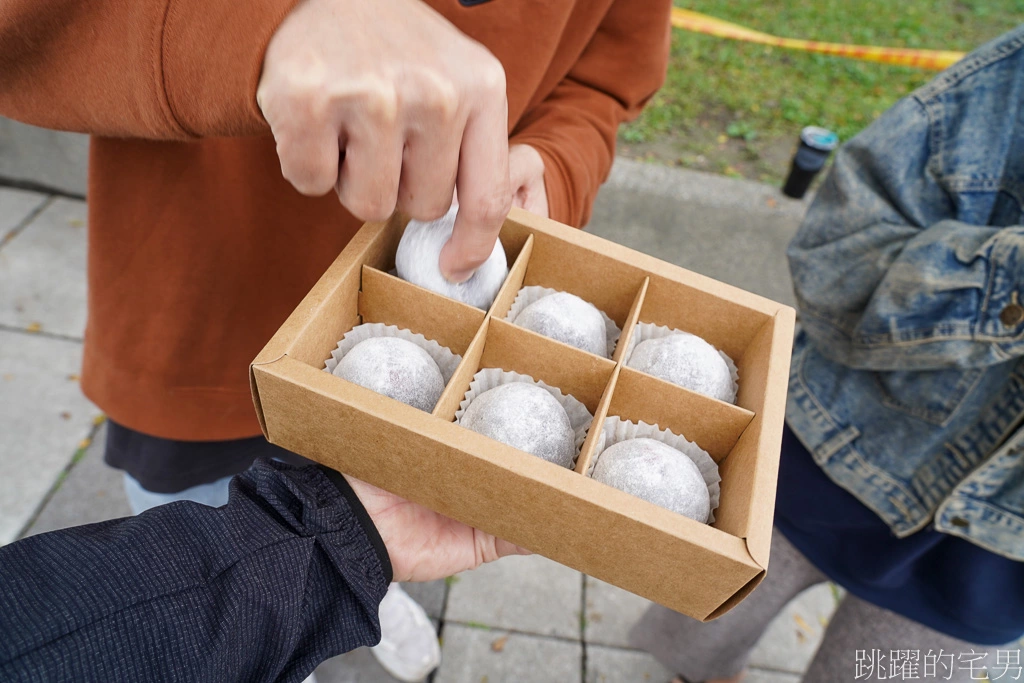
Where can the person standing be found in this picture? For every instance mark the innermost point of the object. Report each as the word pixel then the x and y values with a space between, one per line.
pixel 901 476
pixel 237 148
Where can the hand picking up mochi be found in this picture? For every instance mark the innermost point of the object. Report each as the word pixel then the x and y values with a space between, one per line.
pixel 688 361
pixel 396 368
pixel 657 473
pixel 419 255
pixel 569 319
pixel 524 416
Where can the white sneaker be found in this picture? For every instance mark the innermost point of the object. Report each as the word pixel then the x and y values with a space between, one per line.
pixel 408 647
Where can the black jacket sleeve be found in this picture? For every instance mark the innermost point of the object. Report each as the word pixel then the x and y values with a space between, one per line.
pixel 289 573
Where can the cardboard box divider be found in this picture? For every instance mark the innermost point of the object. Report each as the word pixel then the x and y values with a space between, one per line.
pixel 514 282
pixel 697 569
pixel 713 425
pixel 629 325
pixel 384 298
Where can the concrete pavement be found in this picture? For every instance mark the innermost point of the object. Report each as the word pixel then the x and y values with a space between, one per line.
pixel 519 619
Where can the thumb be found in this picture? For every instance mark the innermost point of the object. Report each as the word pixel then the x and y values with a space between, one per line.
pixel 504 548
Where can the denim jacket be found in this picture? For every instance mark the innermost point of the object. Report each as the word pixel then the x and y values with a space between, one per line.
pixel 907 382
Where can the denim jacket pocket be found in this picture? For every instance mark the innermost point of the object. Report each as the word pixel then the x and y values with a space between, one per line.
pixel 932 396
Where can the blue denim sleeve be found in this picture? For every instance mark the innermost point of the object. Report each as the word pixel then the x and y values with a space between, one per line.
pixel 288 573
pixel 886 275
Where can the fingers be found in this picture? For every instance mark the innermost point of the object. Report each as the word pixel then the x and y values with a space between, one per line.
pixel 309 159
pixel 431 158
pixel 526 175
pixel 369 177
pixel 483 185
pixel 504 549
pixel 488 548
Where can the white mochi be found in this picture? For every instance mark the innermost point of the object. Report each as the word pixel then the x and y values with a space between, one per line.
pixel 524 416
pixel 657 473
pixel 569 319
pixel 396 368
pixel 686 360
pixel 418 262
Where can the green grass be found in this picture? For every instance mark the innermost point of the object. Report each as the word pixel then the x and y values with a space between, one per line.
pixel 737 108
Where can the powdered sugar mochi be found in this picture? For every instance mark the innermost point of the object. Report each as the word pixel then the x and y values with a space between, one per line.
pixel 396 368
pixel 418 261
pixel 688 361
pixel 657 473
pixel 569 319
pixel 524 416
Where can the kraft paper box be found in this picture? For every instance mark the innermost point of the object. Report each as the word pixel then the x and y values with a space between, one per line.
pixel 697 569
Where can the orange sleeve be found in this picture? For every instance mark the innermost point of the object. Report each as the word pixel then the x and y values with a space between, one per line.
pixel 574 128
pixel 158 69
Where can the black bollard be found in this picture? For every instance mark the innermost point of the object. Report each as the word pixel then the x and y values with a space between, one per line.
pixel 815 146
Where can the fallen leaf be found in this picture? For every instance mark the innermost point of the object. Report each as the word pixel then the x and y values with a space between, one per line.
pixel 723 138
pixel 801 622
pixel 99 419
pixel 801 637
pixel 772 202
pixel 84 443
pixel 76 223
pixel 73 378
pixel 8 377
pixel 34 327
pixel 65 415
pixel 499 644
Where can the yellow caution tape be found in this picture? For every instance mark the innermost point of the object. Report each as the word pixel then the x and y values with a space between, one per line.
pixel 923 59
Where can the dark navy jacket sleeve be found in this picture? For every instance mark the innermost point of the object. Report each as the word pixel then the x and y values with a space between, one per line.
pixel 289 573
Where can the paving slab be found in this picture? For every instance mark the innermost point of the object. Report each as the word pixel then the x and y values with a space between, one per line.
pixel 430 595
pixel 734 231
pixel 42 272
pixel 615 665
pixel 43 420
pixel 755 675
pixel 531 594
pixel 91 492
pixel 15 207
pixel 45 157
pixel 611 613
pixel 357 666
pixel 794 635
pixel 475 655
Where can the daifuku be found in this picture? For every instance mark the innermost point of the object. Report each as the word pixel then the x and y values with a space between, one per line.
pixel 657 473
pixel 396 368
pixel 568 319
pixel 524 416
pixel 419 254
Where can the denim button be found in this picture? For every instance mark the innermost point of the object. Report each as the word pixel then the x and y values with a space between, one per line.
pixel 959 521
pixel 1012 315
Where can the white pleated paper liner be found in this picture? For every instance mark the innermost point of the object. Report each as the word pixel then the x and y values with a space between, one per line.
pixel 645 331
pixel 442 355
pixel 533 293
pixel 488 378
pixel 616 429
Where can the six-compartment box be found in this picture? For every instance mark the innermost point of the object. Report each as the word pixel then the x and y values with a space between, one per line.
pixel 700 570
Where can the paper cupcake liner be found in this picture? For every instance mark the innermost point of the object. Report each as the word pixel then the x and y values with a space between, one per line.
pixel 532 293
pixel 645 331
pixel 442 355
pixel 488 378
pixel 616 429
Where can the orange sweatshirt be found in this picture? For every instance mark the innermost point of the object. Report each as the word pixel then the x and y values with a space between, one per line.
pixel 198 248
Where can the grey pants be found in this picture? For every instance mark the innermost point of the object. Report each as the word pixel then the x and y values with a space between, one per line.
pixel 721 648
